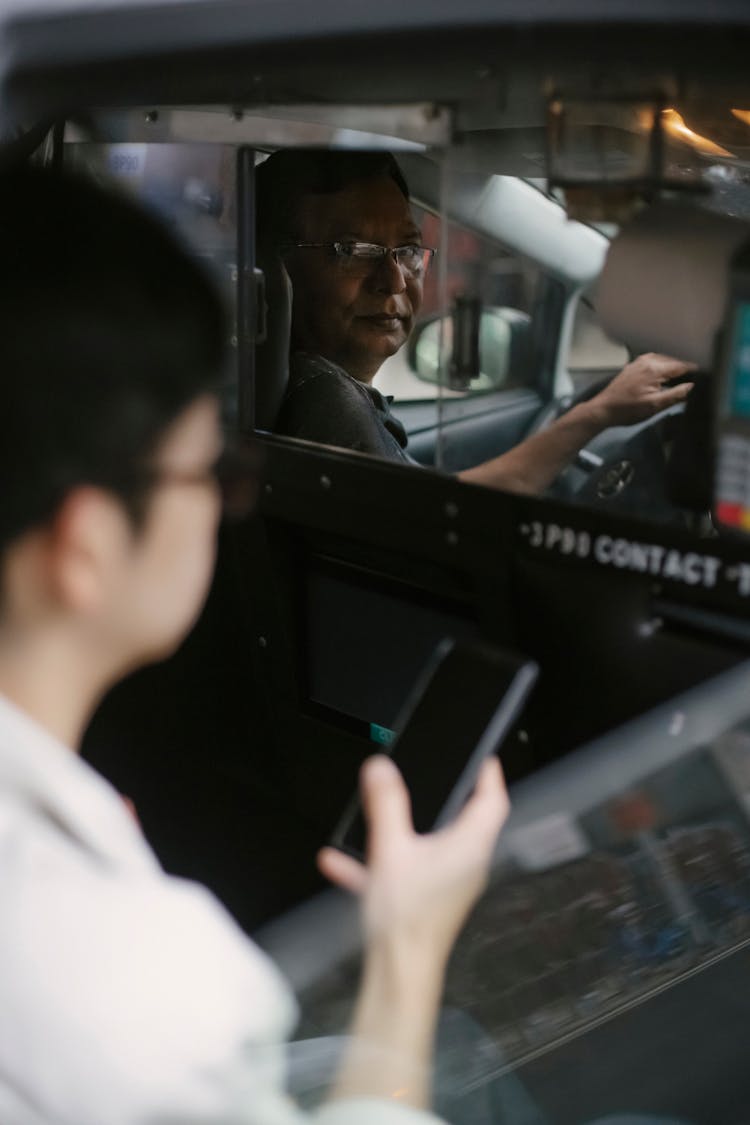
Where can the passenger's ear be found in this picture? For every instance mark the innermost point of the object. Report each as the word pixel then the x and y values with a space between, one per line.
pixel 86 544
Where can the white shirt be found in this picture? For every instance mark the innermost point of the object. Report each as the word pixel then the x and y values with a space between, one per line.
pixel 127 997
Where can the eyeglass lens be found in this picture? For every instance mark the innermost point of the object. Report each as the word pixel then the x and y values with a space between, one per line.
pixel 364 257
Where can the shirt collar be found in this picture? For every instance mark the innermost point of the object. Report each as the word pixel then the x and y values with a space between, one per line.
pixel 39 771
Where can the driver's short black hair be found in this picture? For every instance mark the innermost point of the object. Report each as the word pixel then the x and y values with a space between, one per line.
pixel 288 175
pixel 108 330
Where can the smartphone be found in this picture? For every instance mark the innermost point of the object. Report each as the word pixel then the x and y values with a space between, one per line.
pixel 460 711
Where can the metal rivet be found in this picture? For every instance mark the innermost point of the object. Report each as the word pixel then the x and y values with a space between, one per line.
pixel 152 116
pixel 522 736
pixel 325 482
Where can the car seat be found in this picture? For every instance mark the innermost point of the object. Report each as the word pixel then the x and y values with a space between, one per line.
pixel 272 353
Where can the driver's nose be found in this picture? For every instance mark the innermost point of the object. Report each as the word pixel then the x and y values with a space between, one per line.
pixel 388 277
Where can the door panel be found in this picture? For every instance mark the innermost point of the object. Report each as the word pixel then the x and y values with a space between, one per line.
pixel 471 430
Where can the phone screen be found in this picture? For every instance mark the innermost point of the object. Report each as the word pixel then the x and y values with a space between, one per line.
pixel 460 712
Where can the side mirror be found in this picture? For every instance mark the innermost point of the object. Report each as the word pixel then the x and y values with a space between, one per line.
pixel 504 350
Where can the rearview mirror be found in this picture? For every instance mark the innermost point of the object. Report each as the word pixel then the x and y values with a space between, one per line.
pixel 504 336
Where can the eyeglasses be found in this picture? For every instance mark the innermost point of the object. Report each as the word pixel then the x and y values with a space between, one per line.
pixel 235 473
pixel 358 259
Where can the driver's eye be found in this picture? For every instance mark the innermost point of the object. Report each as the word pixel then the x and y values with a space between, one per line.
pixel 365 250
pixel 410 256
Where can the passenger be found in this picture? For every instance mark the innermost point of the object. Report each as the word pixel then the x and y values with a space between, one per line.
pixel 351 313
pixel 128 997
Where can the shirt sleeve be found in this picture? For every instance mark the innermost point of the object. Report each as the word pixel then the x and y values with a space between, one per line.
pixel 132 998
pixel 327 407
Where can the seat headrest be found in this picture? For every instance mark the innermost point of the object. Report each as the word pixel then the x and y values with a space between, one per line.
pixel 664 283
pixel 272 356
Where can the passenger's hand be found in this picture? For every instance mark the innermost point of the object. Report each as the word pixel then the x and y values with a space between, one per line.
pixel 642 389
pixel 417 890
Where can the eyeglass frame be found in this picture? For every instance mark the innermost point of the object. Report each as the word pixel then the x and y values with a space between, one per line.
pixel 235 473
pixel 376 260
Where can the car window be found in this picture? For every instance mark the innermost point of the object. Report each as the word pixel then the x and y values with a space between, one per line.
pixel 592 355
pixel 521 280
pixel 503 284
pixel 192 187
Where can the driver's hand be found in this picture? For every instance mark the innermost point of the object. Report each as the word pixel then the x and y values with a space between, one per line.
pixel 417 890
pixel 642 389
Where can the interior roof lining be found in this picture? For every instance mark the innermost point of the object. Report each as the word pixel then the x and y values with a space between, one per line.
pixel 472 68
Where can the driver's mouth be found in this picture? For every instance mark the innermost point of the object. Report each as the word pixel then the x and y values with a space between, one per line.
pixel 385 322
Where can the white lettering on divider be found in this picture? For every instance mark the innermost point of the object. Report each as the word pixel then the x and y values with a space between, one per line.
pixel 688 567
pixel 652 558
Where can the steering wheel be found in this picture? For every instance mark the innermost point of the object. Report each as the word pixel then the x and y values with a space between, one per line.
pixel 625 467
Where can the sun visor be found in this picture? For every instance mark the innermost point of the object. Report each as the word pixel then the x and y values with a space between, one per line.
pixel 665 278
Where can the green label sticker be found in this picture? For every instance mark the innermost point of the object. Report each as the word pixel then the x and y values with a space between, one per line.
pixel 384 736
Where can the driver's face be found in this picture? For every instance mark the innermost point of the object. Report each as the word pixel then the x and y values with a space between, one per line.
pixel 356 322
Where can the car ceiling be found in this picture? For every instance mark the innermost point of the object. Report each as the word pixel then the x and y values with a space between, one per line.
pixel 493 62
pixel 479 74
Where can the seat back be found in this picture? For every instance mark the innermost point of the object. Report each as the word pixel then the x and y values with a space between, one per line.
pixel 272 354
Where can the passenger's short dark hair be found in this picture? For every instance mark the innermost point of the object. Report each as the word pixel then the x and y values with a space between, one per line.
pixel 288 175
pixel 108 330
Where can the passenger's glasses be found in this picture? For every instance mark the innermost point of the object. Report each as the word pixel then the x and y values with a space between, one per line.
pixel 358 259
pixel 235 472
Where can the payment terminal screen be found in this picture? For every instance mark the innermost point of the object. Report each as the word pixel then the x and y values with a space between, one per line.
pixel 739 364
pixel 732 480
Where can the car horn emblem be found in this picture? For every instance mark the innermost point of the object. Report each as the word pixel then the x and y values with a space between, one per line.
pixel 617 477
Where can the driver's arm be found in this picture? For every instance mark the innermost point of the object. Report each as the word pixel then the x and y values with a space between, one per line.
pixel 637 393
